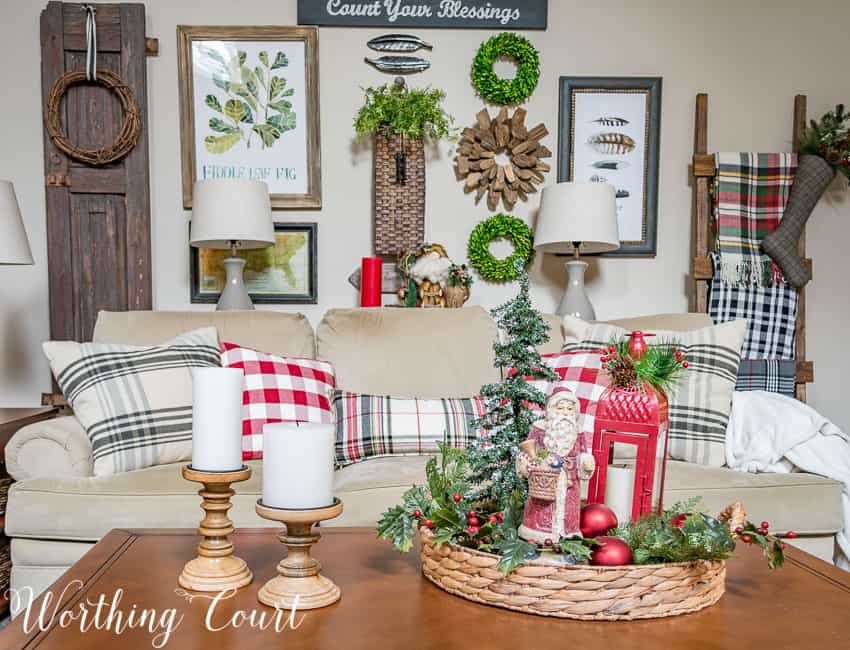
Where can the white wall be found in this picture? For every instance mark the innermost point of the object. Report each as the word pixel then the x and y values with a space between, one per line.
pixel 752 62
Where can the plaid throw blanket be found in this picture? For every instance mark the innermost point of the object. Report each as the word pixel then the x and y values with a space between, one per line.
pixel 770 312
pixel 772 375
pixel 750 196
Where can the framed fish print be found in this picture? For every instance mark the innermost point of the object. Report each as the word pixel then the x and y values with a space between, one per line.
pixel 608 132
pixel 249 108
pixel 281 274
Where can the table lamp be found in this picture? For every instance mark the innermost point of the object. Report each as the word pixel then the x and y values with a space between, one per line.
pixel 14 246
pixel 577 218
pixel 232 214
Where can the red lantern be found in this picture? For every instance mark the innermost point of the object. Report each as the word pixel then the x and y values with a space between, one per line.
pixel 635 417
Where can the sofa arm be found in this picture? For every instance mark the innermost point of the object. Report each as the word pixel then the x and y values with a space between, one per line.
pixel 57 447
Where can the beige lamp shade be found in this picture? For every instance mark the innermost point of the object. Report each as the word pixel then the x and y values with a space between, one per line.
pixel 577 212
pixel 14 246
pixel 226 210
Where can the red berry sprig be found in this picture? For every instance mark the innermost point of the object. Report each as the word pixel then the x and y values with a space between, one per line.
pixel 770 543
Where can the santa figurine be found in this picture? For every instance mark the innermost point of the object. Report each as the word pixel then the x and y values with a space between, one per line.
pixel 554 458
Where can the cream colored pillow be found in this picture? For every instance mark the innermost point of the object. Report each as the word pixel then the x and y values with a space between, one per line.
pixel 134 402
pixel 699 409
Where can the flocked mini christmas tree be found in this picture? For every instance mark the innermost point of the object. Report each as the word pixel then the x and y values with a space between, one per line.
pixel 512 404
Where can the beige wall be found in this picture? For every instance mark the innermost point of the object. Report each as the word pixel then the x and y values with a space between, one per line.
pixel 751 61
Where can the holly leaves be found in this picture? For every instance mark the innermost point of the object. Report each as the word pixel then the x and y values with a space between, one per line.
pixel 254 95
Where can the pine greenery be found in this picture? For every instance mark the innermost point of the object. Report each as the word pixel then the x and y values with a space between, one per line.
pixel 510 414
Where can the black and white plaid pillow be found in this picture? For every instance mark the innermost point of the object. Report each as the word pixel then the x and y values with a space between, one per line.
pixel 699 409
pixel 134 402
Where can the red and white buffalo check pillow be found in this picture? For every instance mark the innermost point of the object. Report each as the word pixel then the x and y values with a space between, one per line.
pixel 278 389
pixel 582 373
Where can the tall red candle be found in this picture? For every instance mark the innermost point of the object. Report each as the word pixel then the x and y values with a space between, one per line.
pixel 370 282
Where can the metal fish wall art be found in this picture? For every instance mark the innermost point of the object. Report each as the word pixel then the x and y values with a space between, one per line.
pixel 596 178
pixel 399 64
pixel 612 143
pixel 610 121
pixel 610 164
pixel 402 43
pixel 623 194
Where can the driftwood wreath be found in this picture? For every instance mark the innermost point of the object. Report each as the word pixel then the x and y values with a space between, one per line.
pixel 508 181
pixel 127 136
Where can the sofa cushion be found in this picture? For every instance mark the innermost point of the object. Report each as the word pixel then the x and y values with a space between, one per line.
pixel 135 402
pixel 85 509
pixel 276 332
pixel 426 353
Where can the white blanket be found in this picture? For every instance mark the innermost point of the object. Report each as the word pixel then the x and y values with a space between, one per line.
pixel 769 432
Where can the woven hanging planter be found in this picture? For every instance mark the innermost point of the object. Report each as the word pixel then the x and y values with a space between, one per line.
pixel 399 194
pixel 128 135
pixel 591 593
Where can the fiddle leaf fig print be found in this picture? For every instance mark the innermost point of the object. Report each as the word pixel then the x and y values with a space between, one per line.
pixel 253 95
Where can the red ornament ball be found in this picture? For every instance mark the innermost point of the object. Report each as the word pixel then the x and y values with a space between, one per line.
pixel 613 552
pixel 457 497
pixel 684 364
pixel 764 525
pixel 746 539
pixel 429 523
pixel 790 534
pixel 597 519
pixel 493 519
pixel 417 513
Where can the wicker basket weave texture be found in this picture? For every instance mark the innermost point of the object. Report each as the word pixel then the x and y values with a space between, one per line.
pixel 399 207
pixel 576 592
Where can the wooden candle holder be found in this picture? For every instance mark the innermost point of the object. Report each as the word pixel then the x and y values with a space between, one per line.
pixel 299 583
pixel 215 568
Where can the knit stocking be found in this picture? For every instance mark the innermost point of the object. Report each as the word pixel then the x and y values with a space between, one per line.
pixel 813 176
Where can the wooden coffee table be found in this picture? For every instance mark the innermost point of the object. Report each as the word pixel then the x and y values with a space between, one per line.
pixel 387 604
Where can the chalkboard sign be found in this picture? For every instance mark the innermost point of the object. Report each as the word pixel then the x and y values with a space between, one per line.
pixel 458 14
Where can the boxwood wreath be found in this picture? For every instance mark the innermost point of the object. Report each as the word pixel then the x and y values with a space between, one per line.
pixel 506 92
pixel 500 226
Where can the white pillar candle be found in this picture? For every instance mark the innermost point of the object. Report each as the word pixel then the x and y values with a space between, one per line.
pixel 217 419
pixel 619 488
pixel 298 465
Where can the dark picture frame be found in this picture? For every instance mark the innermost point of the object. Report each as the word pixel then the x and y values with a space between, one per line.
pixel 199 295
pixel 642 143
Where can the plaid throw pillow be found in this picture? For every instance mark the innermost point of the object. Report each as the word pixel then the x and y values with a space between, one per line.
pixel 369 425
pixel 699 410
pixel 134 402
pixel 278 389
pixel 581 372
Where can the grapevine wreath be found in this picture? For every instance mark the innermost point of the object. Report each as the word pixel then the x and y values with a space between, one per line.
pixel 130 125
pixel 498 227
pixel 506 92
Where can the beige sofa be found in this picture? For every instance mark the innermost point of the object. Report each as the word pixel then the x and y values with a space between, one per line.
pixel 57 510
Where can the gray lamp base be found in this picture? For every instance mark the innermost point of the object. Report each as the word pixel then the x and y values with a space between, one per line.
pixel 575 301
pixel 235 295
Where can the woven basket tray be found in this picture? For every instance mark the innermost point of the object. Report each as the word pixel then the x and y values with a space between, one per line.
pixel 580 592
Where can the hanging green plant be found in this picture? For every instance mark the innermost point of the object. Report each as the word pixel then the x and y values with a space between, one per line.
pixel 500 226
pixel 506 92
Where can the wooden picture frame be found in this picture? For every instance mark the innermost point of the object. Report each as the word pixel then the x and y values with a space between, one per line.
pixel 279 118
pixel 306 293
pixel 609 131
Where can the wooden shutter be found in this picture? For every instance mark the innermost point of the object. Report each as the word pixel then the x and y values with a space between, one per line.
pixel 98 218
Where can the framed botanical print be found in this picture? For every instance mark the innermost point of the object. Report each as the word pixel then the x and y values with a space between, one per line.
pixel 609 130
pixel 281 274
pixel 249 108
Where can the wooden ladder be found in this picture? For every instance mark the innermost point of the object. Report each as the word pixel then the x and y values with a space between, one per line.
pixel 704 171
